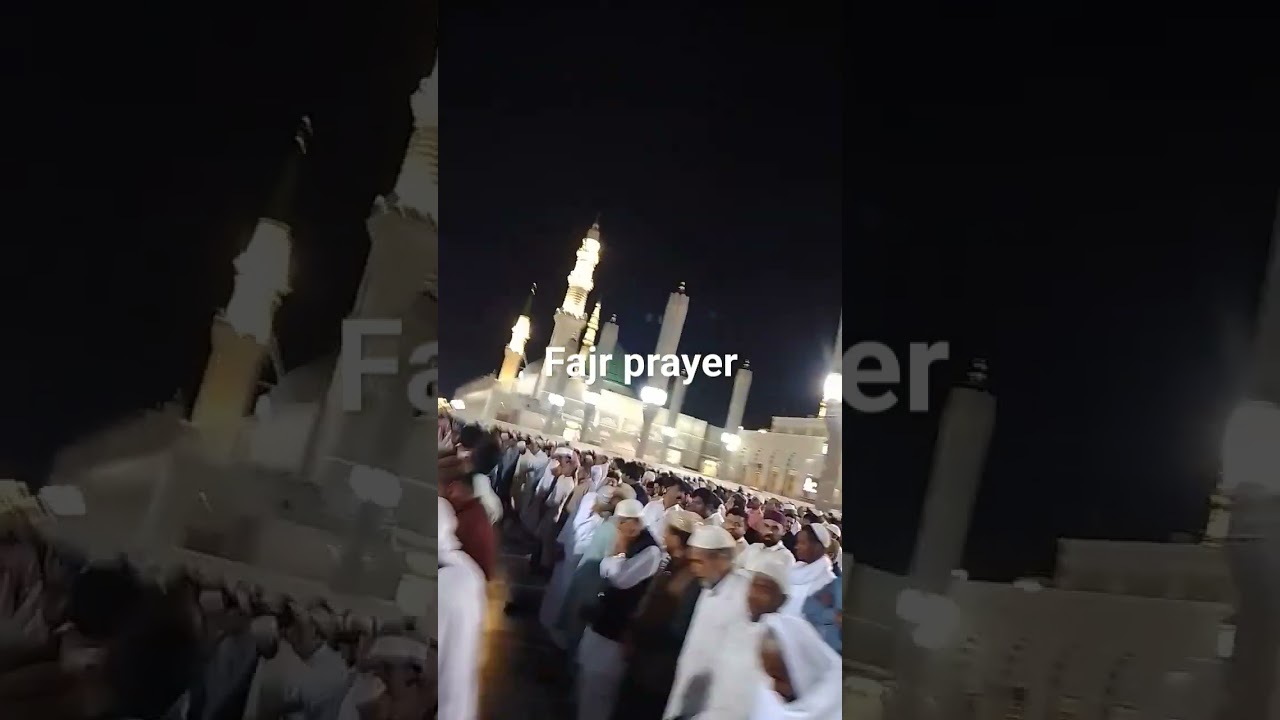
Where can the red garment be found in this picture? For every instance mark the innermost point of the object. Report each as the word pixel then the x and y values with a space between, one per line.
pixel 476 535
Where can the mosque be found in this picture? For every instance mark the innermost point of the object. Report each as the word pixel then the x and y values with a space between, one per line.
pixel 286 489
pixel 1141 630
pixel 795 457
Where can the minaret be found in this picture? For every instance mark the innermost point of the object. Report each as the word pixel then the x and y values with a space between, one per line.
pixel 837 359
pixel 242 333
pixel 608 341
pixel 399 283
pixel 571 319
pixel 733 419
pixel 831 483
pixel 513 353
pixel 959 459
pixel 1251 475
pixel 593 326
pixel 668 344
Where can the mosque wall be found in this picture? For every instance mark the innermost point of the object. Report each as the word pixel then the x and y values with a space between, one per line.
pixel 1160 570
pixel 1063 653
pixel 779 461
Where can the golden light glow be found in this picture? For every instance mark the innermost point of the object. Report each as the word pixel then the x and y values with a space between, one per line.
pixel 581 280
pixel 1251 447
pixel 262 279
pixel 520 333
pixel 833 388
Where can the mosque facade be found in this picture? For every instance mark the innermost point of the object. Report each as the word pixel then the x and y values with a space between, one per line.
pixel 643 419
pixel 284 489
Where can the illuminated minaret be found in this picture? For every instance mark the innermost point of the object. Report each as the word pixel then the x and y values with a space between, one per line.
pixel 242 333
pixel 832 480
pixel 513 353
pixel 571 319
pixel 608 341
pixel 399 283
pixel 593 326
pixel 668 344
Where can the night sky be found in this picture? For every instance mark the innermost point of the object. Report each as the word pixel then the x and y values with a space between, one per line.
pixel 1091 214
pixel 138 161
pixel 711 161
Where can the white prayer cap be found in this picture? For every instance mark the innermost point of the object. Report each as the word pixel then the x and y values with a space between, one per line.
pixel 520 445
pixel 626 492
pixel 711 537
pixel 399 648
pixel 772 566
pixel 563 452
pixel 834 529
pixel 505 436
pixel 649 476
pixel 629 508
pixel 264 627
pixel 788 506
pixel 821 532
pixel 683 520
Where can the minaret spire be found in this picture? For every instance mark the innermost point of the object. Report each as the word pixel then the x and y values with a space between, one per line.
pixel 582 280
pixel 513 353
pixel 593 326
pixel 244 332
pixel 418 186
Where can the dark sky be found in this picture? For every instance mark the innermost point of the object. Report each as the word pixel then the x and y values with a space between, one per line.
pixel 137 162
pixel 710 141
pixel 1092 214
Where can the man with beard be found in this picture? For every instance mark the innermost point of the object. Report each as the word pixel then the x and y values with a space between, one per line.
pixel 772 529
pixel 704 503
pixel 719 615
pixel 635 559
pixel 735 523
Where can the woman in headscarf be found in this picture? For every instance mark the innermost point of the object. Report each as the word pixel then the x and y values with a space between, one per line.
pixel 822 609
pixel 803 674
pixel 657 632
pixel 813 571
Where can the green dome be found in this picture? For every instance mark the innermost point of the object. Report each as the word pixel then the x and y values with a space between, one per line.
pixel 614 372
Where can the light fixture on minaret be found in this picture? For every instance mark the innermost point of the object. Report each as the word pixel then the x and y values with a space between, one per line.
pixel 513 353
pixel 242 333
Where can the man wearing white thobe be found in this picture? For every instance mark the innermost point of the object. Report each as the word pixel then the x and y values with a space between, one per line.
pixel 772 528
pixel 720 615
pixel 575 537
pixel 635 559
pixel 461 598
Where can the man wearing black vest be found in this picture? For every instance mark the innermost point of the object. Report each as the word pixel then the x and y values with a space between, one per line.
pixel 627 571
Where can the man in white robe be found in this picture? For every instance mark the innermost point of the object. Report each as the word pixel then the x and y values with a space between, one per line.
pixel 634 561
pixel 574 538
pixel 316 692
pixel 655 513
pixel 803 675
pixel 461 597
pixel 772 528
pixel 720 616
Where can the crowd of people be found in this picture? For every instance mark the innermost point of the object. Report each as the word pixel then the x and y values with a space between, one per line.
pixel 670 597
pixel 108 640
